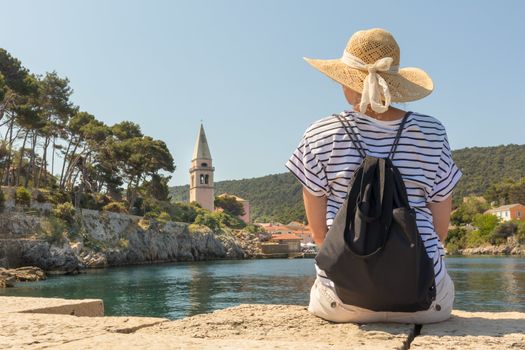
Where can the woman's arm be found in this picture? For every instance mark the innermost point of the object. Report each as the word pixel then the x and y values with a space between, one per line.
pixel 441 216
pixel 315 208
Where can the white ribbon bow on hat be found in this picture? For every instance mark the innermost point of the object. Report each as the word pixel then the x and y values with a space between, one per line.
pixel 374 84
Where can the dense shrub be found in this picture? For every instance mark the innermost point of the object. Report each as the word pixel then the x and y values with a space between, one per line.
pixel 231 221
pixel 22 196
pixel 116 207
pixel 520 232
pixel 504 230
pixel 164 217
pixel 253 228
pixel 465 212
pixel 138 207
pixel 475 239
pixel 59 197
pixel 94 201
pixel 54 229
pixel 209 219
pixel 43 196
pixel 183 212
pixel 2 200
pixel 218 220
pixel 66 212
pixel 486 223
pixel 456 240
pixel 229 204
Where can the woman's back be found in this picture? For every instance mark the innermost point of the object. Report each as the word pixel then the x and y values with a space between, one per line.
pixel 326 160
pixel 370 74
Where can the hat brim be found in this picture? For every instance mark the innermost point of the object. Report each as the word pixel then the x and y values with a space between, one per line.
pixel 410 84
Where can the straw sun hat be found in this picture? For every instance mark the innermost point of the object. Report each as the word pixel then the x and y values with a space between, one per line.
pixel 370 66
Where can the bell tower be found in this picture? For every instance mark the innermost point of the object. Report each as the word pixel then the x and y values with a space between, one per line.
pixel 201 173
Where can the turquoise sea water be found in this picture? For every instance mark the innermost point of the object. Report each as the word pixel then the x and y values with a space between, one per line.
pixel 178 290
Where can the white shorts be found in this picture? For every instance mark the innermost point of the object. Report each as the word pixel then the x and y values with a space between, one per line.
pixel 325 303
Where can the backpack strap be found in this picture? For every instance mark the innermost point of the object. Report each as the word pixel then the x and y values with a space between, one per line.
pixel 398 135
pixel 352 135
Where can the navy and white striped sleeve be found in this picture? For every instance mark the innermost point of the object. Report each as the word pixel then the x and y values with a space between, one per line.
pixel 447 175
pixel 305 165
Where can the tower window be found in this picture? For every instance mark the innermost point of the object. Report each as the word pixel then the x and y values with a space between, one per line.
pixel 206 179
pixel 201 180
pixel 204 165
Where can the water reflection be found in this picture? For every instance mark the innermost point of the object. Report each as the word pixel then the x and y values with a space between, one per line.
pixel 488 284
pixel 179 290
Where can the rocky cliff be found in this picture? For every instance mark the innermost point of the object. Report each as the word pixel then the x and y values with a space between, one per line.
pixel 107 239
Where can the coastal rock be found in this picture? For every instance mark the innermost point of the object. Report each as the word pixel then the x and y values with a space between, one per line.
pixel 15 224
pixel 7 281
pixel 92 259
pixel 58 259
pixel 495 250
pixel 112 239
pixel 26 273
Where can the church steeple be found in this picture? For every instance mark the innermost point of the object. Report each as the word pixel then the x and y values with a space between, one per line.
pixel 201 173
pixel 201 149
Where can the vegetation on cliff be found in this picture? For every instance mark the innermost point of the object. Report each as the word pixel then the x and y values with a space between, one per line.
pixel 472 228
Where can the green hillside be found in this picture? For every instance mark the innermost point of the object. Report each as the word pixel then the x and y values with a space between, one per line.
pixel 483 166
pixel 273 197
pixel 278 197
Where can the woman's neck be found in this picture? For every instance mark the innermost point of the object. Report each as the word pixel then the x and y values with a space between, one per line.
pixel 391 114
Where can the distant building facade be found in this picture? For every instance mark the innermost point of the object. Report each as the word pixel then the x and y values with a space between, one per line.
pixel 509 212
pixel 201 173
pixel 292 242
pixel 295 228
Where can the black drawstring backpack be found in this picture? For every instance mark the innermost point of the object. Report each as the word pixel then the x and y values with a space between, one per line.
pixel 373 251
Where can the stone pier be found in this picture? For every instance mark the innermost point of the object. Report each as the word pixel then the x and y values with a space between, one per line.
pixel 42 323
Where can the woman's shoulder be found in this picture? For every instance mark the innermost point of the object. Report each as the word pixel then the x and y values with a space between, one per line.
pixel 426 121
pixel 324 127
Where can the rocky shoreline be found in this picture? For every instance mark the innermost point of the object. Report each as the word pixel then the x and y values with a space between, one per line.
pixel 513 250
pixel 8 277
pixel 111 239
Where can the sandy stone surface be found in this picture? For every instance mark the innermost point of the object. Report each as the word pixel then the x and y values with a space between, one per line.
pixel 474 330
pixel 242 327
pixel 284 323
pixel 39 331
pixel 83 307
pixel 149 341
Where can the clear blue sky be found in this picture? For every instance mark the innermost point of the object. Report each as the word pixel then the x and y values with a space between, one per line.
pixel 237 65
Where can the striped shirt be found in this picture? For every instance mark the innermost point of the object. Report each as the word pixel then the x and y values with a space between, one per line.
pixel 326 159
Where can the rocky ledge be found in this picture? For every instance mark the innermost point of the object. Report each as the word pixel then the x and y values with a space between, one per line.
pixel 109 239
pixel 38 323
pixel 27 273
pixel 495 250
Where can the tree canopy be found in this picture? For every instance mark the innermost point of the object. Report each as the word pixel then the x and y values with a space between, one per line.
pixel 88 157
pixel 229 204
